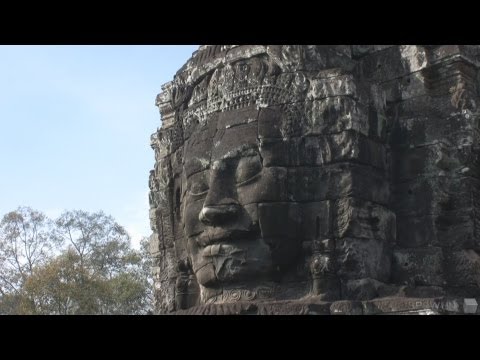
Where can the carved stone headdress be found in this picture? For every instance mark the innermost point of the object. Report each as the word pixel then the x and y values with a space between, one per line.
pixel 223 78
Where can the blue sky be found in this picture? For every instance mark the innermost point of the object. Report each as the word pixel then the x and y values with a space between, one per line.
pixel 75 125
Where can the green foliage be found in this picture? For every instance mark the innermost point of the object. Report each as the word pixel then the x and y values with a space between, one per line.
pixel 89 267
pixel 25 243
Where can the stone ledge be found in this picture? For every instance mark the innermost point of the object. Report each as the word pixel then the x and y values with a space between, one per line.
pixel 380 306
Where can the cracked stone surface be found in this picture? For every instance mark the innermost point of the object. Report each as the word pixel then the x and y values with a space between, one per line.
pixel 318 179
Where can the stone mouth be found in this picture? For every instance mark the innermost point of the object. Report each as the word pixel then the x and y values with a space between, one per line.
pixel 221 250
pixel 224 236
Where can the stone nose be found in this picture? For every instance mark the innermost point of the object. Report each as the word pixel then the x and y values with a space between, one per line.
pixel 215 215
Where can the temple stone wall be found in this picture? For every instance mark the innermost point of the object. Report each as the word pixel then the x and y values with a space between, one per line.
pixel 367 186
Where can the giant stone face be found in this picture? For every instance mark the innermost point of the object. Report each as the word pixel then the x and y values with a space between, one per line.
pixel 234 205
pixel 283 174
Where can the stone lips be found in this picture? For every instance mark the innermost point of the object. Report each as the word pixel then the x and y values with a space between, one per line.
pixel 375 152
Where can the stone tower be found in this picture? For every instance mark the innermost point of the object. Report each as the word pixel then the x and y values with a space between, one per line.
pixel 317 179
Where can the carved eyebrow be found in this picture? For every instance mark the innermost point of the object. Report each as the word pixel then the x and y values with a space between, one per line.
pixel 196 164
pixel 244 150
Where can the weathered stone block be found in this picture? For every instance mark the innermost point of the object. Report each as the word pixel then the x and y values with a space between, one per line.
pixel 155 246
pixel 434 195
pixel 362 289
pixel 416 231
pixel 165 227
pixel 336 181
pixel 412 85
pixel 323 150
pixel 424 291
pixel 436 159
pixel 176 160
pixel 336 114
pixel 153 219
pixel 362 258
pixel 270 122
pixel 279 220
pixel 343 147
pixel 419 267
pixel 317 219
pixel 419 130
pixel 394 62
pixel 456 229
pixel 462 268
pixel 362 219
pixel 280 227
pixel 439 53
pixel 453 229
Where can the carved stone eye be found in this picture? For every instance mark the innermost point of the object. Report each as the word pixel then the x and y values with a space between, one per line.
pixel 198 189
pixel 247 169
pixel 198 184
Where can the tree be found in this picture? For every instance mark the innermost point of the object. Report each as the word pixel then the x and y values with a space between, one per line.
pixel 101 244
pixel 64 286
pixel 25 242
pixel 61 286
pixel 110 274
pixel 89 268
